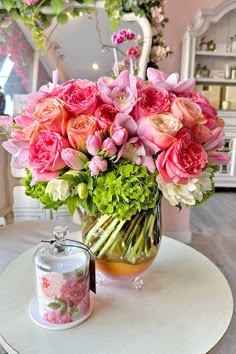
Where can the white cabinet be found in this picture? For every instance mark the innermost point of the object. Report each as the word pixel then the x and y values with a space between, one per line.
pixel 209 55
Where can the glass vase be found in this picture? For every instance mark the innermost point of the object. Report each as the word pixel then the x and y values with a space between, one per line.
pixel 123 249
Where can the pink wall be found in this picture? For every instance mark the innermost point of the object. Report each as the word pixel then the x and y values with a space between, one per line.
pixel 180 14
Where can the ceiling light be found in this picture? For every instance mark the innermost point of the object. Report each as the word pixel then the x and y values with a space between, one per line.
pixel 95 66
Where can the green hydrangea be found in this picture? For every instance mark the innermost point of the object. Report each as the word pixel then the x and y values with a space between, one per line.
pixel 37 191
pixel 125 190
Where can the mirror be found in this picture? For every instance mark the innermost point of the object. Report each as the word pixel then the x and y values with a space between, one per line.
pixel 72 49
pixel 83 47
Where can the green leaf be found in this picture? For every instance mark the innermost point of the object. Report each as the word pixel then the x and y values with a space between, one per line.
pixel 57 6
pixel 72 203
pixel 8 4
pixel 54 306
pixel 62 18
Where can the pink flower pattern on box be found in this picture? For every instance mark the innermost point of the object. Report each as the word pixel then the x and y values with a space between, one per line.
pixel 66 299
pixel 51 284
pixel 74 291
pixel 57 317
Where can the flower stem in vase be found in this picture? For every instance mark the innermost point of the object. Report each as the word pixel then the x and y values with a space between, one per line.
pixel 116 63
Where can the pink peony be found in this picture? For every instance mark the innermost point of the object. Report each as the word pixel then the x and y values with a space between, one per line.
pixel 57 317
pixel 153 100
pixel 184 159
pixel 45 155
pixel 74 290
pixel 105 116
pixel 80 96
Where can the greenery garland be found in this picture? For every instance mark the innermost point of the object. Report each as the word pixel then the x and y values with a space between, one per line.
pixel 33 13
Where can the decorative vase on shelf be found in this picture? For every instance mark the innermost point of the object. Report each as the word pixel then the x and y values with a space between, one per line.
pixel 123 249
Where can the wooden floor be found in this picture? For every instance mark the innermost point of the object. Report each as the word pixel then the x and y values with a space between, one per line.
pixel 213 227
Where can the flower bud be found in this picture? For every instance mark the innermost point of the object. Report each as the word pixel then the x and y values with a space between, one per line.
pixel 109 147
pixel 94 144
pixel 119 135
pixel 82 190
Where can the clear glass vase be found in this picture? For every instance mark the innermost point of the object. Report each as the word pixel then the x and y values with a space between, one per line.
pixel 123 249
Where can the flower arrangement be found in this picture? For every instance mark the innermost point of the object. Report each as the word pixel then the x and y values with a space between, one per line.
pixel 79 139
pixel 116 145
pixel 38 15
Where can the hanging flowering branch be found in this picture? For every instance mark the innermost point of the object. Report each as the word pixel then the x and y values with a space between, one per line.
pixel 33 13
pixel 132 54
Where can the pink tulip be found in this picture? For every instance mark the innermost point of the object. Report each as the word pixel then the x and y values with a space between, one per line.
pixel 217 157
pixel 94 144
pixel 109 147
pixel 74 158
pixel 119 135
pixel 216 140
pixel 96 165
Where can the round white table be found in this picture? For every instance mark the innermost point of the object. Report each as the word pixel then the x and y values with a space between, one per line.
pixel 185 307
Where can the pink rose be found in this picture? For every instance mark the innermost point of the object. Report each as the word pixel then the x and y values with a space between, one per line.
pixel 79 128
pixel 74 290
pixel 51 114
pixel 45 153
pixel 96 165
pixel 188 112
pixel 158 131
pixel 184 159
pixel 57 317
pixel 105 115
pixel 79 95
pixel 153 100
pixel 94 144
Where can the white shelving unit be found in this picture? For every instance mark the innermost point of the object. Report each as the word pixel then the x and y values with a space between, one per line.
pixel 218 25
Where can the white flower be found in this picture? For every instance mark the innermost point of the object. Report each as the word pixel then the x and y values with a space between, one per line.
pixel 187 194
pixel 58 189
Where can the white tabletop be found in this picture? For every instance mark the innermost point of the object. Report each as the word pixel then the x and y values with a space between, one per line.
pixel 185 307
